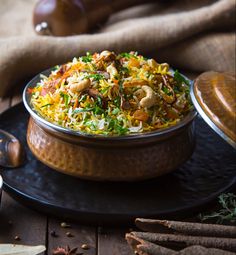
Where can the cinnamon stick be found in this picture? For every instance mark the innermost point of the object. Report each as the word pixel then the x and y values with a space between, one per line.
pixel 148 248
pixel 196 229
pixel 152 249
pixel 133 241
pixel 144 247
pixel 181 241
pixel 197 249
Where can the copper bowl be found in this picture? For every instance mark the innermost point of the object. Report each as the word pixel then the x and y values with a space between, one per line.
pixel 103 158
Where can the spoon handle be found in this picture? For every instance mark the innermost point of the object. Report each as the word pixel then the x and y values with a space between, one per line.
pixel 11 151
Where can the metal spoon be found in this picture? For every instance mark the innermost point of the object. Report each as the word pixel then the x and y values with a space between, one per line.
pixel 12 153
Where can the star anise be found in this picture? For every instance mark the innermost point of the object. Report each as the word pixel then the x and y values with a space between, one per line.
pixel 64 251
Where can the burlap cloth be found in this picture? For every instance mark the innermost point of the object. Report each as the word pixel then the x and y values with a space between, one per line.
pixel 195 35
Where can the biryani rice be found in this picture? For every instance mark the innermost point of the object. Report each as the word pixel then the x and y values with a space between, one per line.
pixel 112 94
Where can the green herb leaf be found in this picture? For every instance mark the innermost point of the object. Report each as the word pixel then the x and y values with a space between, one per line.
pixel 83 98
pixel 117 101
pixel 166 90
pixel 128 55
pixel 87 109
pixel 55 68
pixel 176 89
pixel 116 126
pixel 103 91
pixel 115 111
pixel 99 101
pixel 227 212
pixel 98 110
pixel 87 58
pixel 66 98
pixel 46 105
pixel 180 78
pixel 96 77
pixel 91 124
pixel 124 70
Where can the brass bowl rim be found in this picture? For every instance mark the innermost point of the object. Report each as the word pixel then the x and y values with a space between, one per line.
pixel 155 133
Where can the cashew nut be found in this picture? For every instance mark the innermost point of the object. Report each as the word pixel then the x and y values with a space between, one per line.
pixel 150 99
pixel 80 86
pixel 164 67
pixel 104 56
pixel 139 94
pixel 107 55
pixel 112 70
pixel 152 63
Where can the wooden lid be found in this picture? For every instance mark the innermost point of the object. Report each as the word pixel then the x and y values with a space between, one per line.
pixel 214 96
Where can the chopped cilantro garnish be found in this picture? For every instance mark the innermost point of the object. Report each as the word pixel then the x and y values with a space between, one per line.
pixel 115 126
pixel 66 98
pixel 55 68
pixel 128 55
pixel 103 91
pixel 45 105
pixel 176 89
pixel 83 98
pixel 166 90
pixel 98 106
pixel 124 70
pixel 86 109
pixel 87 58
pixel 98 110
pixel 99 101
pixel 117 101
pixel 115 111
pixel 91 124
pixel 96 77
pixel 180 78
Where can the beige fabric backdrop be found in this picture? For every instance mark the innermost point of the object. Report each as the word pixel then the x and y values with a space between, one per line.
pixel 196 35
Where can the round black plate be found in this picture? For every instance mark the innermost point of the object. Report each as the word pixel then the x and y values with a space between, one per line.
pixel 210 171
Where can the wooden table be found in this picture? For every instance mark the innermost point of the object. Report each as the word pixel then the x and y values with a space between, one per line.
pixel 35 228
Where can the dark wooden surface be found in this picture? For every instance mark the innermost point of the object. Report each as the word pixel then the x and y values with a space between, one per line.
pixel 35 228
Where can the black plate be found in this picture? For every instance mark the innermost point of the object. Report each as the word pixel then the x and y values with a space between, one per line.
pixel 210 171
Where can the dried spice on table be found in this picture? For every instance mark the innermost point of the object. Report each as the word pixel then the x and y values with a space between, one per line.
pixel 65 225
pixel 65 251
pixel 69 234
pixel 17 238
pixel 85 246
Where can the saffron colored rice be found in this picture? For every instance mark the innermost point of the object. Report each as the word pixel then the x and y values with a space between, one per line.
pixel 112 94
